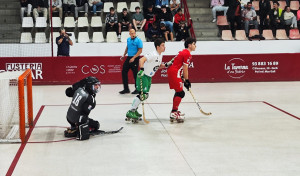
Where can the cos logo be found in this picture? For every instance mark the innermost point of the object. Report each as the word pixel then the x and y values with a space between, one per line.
pixel 94 69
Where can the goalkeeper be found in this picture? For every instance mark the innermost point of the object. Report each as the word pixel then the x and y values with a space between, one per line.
pixel 83 101
pixel 149 64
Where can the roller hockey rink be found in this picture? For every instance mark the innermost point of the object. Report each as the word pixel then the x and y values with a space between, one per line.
pixel 254 130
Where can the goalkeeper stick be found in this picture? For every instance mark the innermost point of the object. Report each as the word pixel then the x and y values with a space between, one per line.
pixel 142 97
pixel 205 113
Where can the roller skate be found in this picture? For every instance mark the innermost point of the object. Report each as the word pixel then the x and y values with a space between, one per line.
pixel 138 114
pixel 176 116
pixel 132 116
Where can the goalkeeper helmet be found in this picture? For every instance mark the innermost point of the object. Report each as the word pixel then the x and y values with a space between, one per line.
pixel 93 85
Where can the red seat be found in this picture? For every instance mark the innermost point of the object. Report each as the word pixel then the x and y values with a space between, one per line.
pixel 281 34
pixel 282 4
pixel 255 4
pixel 294 34
pixel 227 35
pixel 268 34
pixel 294 5
pixel 222 21
pixel 240 35
pixel 253 32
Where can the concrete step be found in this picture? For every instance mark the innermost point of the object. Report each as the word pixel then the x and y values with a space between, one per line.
pixel 208 38
pixel 10 12
pixel 10 40
pixel 198 4
pixel 5 1
pixel 204 25
pixel 10 19
pixel 199 11
pixel 10 27
pixel 10 5
pixel 202 19
pixel 206 32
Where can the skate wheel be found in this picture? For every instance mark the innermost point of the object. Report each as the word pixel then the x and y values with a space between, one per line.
pixel 171 120
pixel 140 119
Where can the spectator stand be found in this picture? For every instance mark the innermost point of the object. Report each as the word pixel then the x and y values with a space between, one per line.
pixel 188 17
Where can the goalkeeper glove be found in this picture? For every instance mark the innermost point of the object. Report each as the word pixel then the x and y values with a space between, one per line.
pixel 187 84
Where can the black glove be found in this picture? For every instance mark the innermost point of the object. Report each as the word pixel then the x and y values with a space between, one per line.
pixel 187 84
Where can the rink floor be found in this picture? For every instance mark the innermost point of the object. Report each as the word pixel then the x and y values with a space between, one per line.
pixel 254 130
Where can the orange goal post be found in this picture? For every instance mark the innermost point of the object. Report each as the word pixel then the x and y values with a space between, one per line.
pixel 16 109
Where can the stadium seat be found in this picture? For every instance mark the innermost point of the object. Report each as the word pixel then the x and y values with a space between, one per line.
pixel 55 35
pixel 83 22
pixel 26 37
pixel 107 6
pixel 255 4
pixel 96 21
pixel 27 22
pixel 121 6
pixel 83 37
pixel 69 22
pixel 253 32
pixel 111 37
pixel 141 35
pixel 73 38
pixel 98 37
pixel 281 34
pixel 268 34
pixel 240 35
pixel 40 37
pixel 124 36
pixel 282 4
pixel 227 35
pixel 294 34
pixel 222 21
pixel 56 22
pixel 294 5
pixel 40 22
pixel 133 5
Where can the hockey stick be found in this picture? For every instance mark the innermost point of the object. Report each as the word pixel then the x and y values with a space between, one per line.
pixel 142 97
pixel 205 113
pixel 105 132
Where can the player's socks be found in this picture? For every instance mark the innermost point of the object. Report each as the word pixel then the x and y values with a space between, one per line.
pixel 176 102
pixel 136 102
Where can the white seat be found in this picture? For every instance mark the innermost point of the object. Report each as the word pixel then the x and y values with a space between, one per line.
pixel 56 21
pixel 26 37
pixel 111 37
pixel 98 37
pixel 133 5
pixel 141 35
pixel 107 6
pixel 55 35
pixel 124 36
pixel 40 22
pixel 69 22
pixel 72 37
pixel 96 21
pixel 83 37
pixel 121 6
pixel 83 22
pixel 40 37
pixel 27 22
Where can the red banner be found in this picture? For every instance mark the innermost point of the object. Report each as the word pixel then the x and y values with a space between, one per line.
pixel 203 68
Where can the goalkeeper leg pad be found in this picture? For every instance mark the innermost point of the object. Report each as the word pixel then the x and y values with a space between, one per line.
pixel 84 132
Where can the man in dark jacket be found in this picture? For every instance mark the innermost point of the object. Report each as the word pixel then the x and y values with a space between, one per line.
pixel 276 18
pixel 263 13
pixel 234 14
pixel 39 6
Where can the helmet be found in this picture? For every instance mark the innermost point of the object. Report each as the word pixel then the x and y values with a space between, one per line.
pixel 92 84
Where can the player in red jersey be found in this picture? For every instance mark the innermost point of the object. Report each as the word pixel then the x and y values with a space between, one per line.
pixel 178 77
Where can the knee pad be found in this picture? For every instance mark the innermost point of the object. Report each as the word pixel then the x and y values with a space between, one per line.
pixel 94 124
pixel 180 94
pixel 83 132
pixel 145 96
pixel 69 92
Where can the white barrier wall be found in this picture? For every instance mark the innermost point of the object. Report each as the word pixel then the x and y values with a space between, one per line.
pixel 172 48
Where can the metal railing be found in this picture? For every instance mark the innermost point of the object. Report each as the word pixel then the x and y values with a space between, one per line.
pixel 188 17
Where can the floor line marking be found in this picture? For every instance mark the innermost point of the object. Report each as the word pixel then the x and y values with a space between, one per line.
pixel 281 110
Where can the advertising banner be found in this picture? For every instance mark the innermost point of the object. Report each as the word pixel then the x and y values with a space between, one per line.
pixel 203 68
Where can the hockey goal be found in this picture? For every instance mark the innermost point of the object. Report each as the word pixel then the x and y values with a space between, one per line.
pixel 16 111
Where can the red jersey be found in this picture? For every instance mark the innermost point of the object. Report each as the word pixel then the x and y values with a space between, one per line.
pixel 178 18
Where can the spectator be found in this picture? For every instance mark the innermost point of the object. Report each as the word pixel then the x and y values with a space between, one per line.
pixel 276 18
pixel 96 5
pixel 234 15
pixel 153 32
pixel 166 17
pixel 81 5
pixel 298 16
pixel 217 5
pixel 289 17
pixel 263 13
pixel 138 19
pixel 134 48
pixel 111 21
pixel 244 3
pixel 147 4
pixel 56 6
pixel 63 43
pixel 183 32
pixel 124 22
pixel 149 16
pixel 25 7
pixel 69 5
pixel 249 17
pixel 179 17
pixel 166 31
pixel 38 7
pixel 175 5
pixel 160 3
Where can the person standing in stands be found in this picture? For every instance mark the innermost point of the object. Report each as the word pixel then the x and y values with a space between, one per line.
pixel 63 43
pixel 134 48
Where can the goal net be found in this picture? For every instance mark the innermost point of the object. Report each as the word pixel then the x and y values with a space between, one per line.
pixel 16 111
